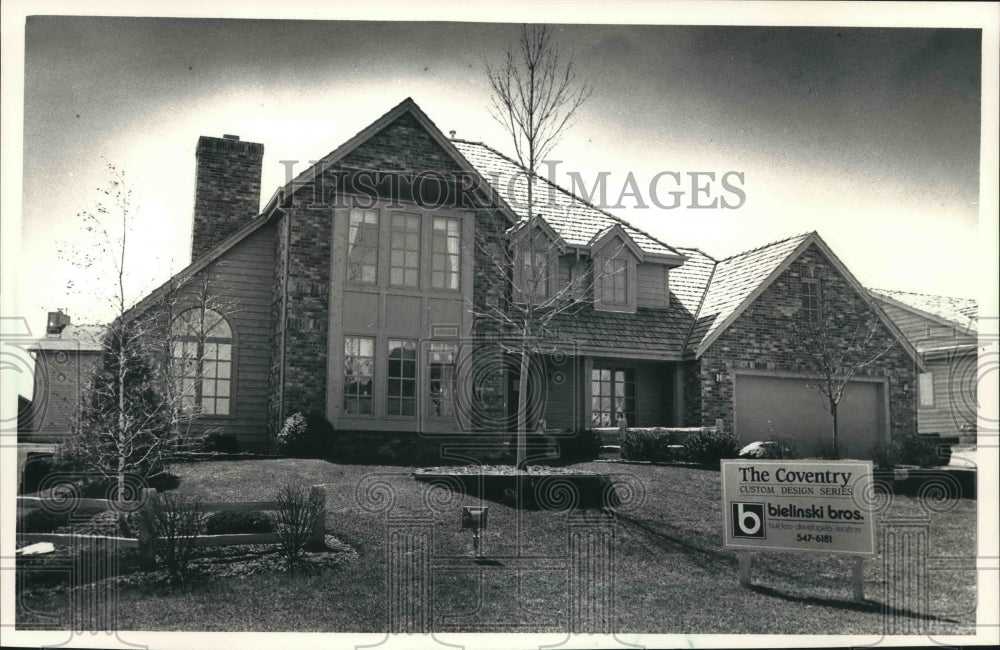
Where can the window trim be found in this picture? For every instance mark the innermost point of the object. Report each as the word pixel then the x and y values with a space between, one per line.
pixel 377 245
pixel 925 390
pixel 416 379
pixel 812 314
pixel 597 266
pixel 419 252
pixel 374 377
pixel 434 252
pixel 431 411
pixel 233 365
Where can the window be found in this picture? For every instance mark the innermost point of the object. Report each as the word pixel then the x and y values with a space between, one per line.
pixel 536 273
pixel 613 396
pixel 925 388
pixel 614 283
pixel 441 361
pixel 359 374
pixel 401 396
pixel 362 248
pixel 812 298
pixel 445 253
pixel 404 250
pixel 202 361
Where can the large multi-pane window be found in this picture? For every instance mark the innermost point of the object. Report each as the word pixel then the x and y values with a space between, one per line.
pixel 401 393
pixel 202 362
pixel 362 246
pixel 404 250
pixel 614 283
pixel 441 364
pixel 359 374
pixel 446 247
pixel 812 299
pixel 613 396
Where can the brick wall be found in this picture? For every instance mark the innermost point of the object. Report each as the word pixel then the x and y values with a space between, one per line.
pixel 763 338
pixel 227 189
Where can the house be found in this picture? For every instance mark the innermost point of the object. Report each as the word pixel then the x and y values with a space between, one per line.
pixel 65 360
pixel 360 288
pixel 944 331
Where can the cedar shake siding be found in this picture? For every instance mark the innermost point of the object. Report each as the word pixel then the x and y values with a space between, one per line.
pixel 227 189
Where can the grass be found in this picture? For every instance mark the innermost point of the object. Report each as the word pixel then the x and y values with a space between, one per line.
pixel 670 573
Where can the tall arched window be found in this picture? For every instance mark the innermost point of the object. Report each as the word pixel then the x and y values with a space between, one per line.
pixel 202 361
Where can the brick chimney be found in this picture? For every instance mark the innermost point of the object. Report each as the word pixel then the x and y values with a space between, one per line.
pixel 57 322
pixel 227 189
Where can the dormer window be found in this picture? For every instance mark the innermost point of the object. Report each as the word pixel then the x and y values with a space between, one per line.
pixel 535 261
pixel 615 259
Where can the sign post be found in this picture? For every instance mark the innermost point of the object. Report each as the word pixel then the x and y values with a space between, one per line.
pixel 789 505
pixel 475 518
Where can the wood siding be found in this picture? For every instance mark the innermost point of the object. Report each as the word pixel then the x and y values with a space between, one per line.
pixel 243 279
pixel 653 289
pixel 954 409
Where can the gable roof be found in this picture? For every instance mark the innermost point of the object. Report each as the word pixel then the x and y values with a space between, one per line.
pixel 575 219
pixel 945 310
pixel 737 281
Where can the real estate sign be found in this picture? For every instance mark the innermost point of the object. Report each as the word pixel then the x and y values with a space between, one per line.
pixel 791 505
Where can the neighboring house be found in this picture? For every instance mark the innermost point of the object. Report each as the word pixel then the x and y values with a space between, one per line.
pixel 944 331
pixel 65 361
pixel 355 291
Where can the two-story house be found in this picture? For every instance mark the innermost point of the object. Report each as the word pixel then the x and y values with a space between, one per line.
pixel 363 291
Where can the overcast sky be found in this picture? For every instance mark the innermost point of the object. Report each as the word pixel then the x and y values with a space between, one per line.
pixel 870 136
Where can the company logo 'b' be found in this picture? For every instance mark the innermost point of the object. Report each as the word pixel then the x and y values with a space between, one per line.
pixel 748 520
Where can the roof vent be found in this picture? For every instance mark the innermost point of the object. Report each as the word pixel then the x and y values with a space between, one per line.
pixel 451 134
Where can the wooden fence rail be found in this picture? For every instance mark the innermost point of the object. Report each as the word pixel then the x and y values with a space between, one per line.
pixel 145 545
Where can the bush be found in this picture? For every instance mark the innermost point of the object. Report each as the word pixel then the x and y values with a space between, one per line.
pixel 775 448
pixel 236 523
pixel 830 450
pixel 710 447
pixel 583 445
pixel 300 511
pixel 306 436
pixel 171 523
pixel 223 443
pixel 41 520
pixel 923 451
pixel 648 445
pixel 885 455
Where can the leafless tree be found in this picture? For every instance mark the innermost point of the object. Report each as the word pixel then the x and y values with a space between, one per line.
pixel 836 346
pixel 132 410
pixel 535 95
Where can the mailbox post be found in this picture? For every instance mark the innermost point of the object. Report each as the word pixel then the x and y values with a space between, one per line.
pixel 474 517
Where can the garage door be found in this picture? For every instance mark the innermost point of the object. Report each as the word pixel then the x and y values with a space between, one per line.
pixel 791 409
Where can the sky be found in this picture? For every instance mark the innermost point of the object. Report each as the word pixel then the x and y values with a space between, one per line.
pixel 870 136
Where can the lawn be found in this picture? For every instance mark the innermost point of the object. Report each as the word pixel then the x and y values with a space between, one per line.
pixel 657 566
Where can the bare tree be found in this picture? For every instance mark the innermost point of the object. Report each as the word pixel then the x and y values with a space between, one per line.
pixel 836 346
pixel 132 410
pixel 535 94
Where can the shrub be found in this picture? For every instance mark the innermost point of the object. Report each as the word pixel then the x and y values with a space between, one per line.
pixel 830 450
pixel 235 523
pixel 885 455
pixel 583 445
pixel 41 520
pixel 923 451
pixel 306 436
pixel 171 522
pixel 300 511
pixel 773 448
pixel 223 443
pixel 710 447
pixel 648 445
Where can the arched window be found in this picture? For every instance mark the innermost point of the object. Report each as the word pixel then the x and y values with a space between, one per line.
pixel 202 361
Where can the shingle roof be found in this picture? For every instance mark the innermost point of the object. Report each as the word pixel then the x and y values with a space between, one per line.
pixel 733 280
pixel 960 311
pixel 572 217
pixel 653 331
pixel 688 281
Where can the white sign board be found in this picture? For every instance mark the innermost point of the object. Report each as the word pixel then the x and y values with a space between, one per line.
pixel 792 505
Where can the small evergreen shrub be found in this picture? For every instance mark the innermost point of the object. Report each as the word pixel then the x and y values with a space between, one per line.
pixel 306 436
pixel 710 447
pixel 223 443
pixel 647 445
pixel 583 445
pixel 40 520
pixel 829 450
pixel 236 523
pixel 923 451
pixel 885 455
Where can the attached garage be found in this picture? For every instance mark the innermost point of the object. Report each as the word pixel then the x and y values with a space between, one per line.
pixel 790 408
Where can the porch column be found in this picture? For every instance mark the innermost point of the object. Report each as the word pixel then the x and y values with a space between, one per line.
pixel 586 391
pixel 678 400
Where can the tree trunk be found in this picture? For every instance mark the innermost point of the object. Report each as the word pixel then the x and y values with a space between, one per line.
pixel 522 411
pixel 836 442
